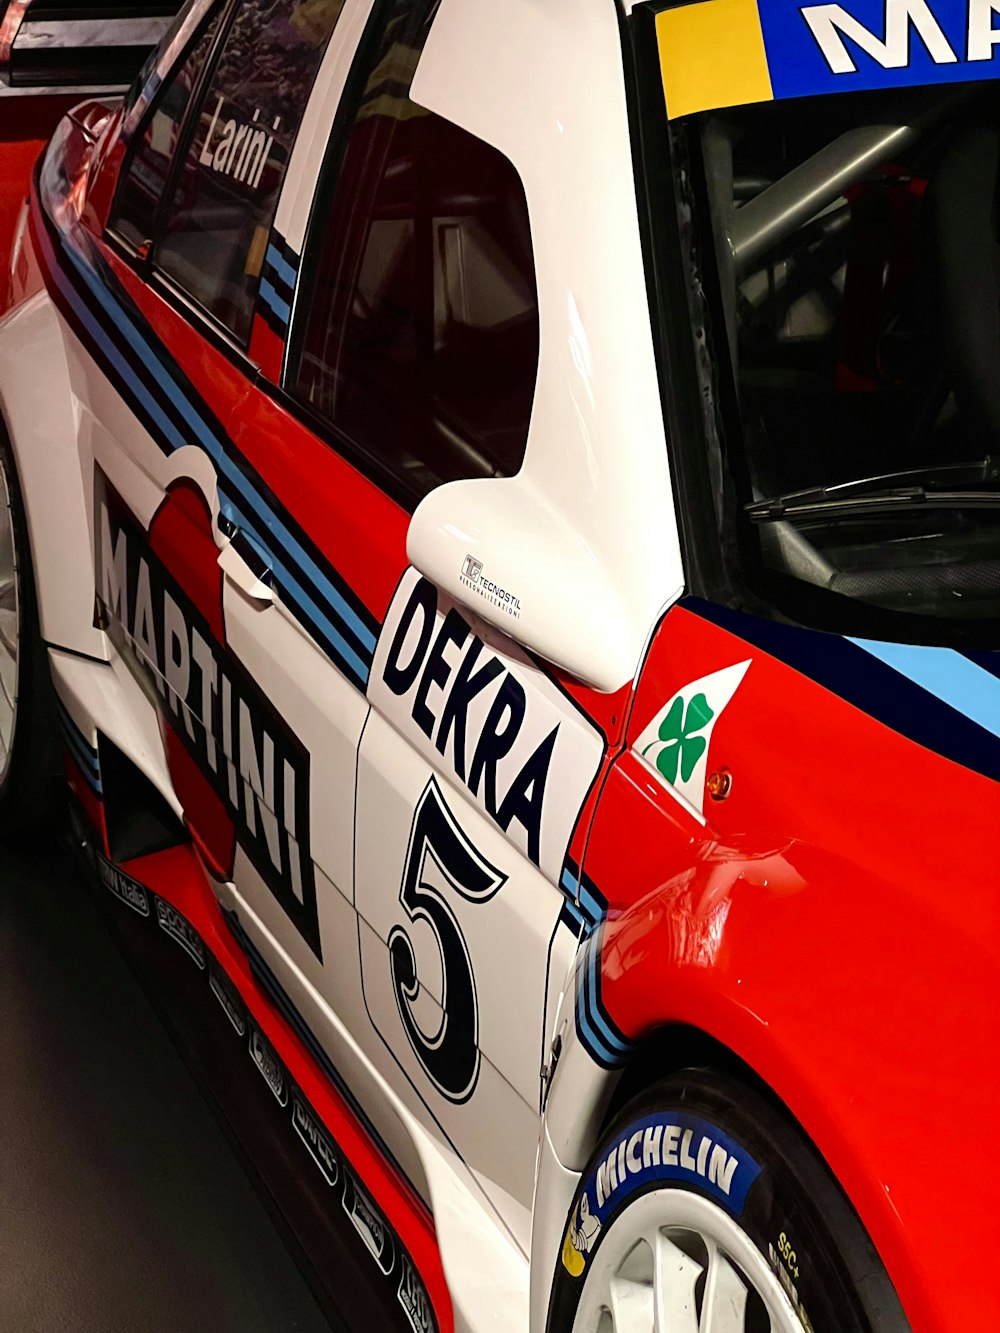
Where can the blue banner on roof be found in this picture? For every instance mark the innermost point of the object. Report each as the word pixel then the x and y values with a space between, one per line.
pixel 717 53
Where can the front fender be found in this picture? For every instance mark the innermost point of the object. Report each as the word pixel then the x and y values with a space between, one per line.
pixel 833 924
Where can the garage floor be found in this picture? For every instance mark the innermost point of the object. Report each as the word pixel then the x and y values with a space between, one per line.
pixel 123 1207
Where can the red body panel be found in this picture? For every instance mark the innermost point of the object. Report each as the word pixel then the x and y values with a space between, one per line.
pixel 833 924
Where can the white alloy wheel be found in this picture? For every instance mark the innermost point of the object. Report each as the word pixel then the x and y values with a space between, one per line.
pixel 674 1262
pixel 9 627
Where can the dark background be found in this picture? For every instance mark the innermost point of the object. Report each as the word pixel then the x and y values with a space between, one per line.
pixel 123 1207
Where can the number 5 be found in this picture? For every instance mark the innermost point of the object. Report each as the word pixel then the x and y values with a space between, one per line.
pixel 451 1054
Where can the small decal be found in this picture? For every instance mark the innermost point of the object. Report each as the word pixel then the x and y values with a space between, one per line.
pixel 224 993
pixel 413 1298
pixel 657 1148
pixel 472 578
pixel 369 1223
pixel 180 929
pixel 122 886
pixel 312 1134
pixel 266 1060
pixel 781 1266
pixel 676 742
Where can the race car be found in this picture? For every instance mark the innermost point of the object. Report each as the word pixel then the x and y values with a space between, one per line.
pixel 507 500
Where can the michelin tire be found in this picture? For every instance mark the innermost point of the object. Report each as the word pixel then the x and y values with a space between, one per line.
pixel 703 1183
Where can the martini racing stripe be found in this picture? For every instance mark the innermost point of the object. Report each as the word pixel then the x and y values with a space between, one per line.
pixel 584 908
pixel 595 1027
pixel 930 711
pixel 87 758
pixel 277 285
pixel 120 340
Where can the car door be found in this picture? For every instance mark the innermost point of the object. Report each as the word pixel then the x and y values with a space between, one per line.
pixel 414 352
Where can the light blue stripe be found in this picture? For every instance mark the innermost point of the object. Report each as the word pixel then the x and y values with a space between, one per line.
pixel 280 264
pixel 281 308
pixel 298 595
pixel 946 674
pixel 124 370
pixel 84 757
pixel 288 543
pixel 208 441
pixel 91 774
pixel 614 1042
pixel 593 1037
pixel 133 335
pixel 569 881
pixel 590 905
pixel 74 733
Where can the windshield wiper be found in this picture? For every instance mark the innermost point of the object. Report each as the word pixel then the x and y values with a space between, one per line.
pixel 824 504
pixel 887 492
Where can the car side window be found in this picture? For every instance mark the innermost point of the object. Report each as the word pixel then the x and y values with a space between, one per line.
pixel 213 236
pixel 145 173
pixel 419 343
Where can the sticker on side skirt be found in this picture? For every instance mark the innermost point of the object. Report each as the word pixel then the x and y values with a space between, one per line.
pixel 128 890
pixel 181 930
pixel 263 1055
pixel 657 1148
pixel 369 1223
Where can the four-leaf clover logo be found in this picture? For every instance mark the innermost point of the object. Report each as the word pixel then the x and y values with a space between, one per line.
pixel 682 746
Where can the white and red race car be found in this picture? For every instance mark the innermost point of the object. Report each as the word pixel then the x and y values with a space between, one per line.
pixel 507 497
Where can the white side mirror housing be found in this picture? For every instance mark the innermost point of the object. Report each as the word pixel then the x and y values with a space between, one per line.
pixel 499 548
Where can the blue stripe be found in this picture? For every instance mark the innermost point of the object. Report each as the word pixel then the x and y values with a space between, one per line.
pixel 281 308
pixel 947 675
pixel 571 910
pixel 295 593
pixel 612 1039
pixel 595 909
pixel 591 1039
pixel 75 734
pixel 276 260
pixel 124 370
pixel 569 882
pixel 86 764
pixel 209 441
pixel 150 360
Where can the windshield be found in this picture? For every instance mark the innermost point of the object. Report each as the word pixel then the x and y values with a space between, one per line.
pixel 842 269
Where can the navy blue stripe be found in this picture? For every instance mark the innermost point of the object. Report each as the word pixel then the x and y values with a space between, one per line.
pixel 69 724
pixel 869 684
pixel 988 661
pixel 332 612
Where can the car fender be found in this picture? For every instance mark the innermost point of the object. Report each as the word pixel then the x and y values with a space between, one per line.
pixel 39 415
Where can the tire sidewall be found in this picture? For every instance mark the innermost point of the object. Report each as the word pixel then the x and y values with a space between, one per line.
pixel 779 1194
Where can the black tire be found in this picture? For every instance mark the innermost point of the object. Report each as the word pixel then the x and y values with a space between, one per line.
pixel 29 787
pixel 791 1209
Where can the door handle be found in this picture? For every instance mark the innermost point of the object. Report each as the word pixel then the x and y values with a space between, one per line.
pixel 244 567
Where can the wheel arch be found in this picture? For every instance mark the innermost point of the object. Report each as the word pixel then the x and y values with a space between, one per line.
pixel 39 421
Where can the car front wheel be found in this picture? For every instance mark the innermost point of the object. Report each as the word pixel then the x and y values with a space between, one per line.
pixel 704 1210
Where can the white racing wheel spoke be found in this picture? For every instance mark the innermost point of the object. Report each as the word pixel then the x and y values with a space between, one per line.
pixel 725 1306
pixel 677 1263
pixel 677 1276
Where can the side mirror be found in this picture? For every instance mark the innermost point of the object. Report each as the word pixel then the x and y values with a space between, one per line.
pixel 503 551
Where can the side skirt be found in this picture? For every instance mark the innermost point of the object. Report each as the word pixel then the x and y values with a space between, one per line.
pixel 364 1240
